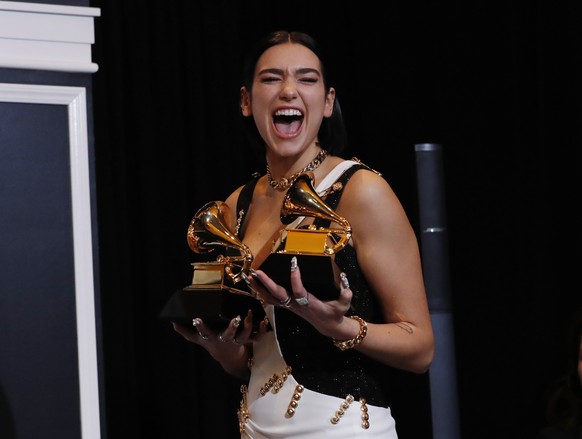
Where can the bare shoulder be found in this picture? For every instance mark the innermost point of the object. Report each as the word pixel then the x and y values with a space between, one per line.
pixel 365 188
pixel 373 209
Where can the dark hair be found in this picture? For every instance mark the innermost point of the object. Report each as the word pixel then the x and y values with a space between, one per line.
pixel 332 133
pixel 565 403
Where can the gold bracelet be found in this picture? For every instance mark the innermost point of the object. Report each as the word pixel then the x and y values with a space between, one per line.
pixel 348 344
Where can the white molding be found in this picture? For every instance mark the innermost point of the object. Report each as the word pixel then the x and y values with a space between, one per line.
pixel 47 37
pixel 48 9
pixel 75 100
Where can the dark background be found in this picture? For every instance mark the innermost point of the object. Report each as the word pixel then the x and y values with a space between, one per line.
pixel 496 83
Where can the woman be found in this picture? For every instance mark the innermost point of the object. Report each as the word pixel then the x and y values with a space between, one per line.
pixel 315 367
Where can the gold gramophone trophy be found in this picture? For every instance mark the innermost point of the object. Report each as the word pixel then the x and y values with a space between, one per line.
pixel 208 231
pixel 313 246
pixel 218 291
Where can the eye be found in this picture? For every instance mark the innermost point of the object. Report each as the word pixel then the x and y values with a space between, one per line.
pixel 269 79
pixel 309 79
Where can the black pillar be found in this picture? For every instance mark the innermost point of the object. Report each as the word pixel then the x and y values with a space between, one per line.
pixel 434 251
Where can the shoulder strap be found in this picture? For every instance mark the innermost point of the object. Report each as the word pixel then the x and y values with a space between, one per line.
pixel 336 190
pixel 244 199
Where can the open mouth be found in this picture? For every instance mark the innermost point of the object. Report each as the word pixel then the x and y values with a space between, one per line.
pixel 288 120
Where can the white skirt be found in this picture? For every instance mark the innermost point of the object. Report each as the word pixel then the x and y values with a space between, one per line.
pixel 275 405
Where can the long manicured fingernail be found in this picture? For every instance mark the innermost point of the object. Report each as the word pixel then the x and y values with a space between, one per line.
pixel 236 321
pixel 344 280
pixel 245 278
pixel 195 323
pixel 293 264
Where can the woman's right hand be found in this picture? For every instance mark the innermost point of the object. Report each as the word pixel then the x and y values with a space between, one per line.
pixel 230 346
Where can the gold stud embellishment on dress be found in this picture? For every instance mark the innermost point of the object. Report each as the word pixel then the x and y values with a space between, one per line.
pixel 365 416
pixel 337 186
pixel 276 381
pixel 342 409
pixel 281 380
pixel 267 386
pixel 294 400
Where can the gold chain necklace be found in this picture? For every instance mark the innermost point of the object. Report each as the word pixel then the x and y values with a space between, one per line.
pixel 284 183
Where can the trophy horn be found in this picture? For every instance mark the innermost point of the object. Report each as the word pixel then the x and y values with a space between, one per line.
pixel 208 230
pixel 302 200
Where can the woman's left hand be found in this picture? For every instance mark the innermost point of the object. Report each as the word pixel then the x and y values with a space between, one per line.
pixel 326 316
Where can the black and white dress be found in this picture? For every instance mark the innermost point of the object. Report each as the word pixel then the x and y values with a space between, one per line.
pixel 301 385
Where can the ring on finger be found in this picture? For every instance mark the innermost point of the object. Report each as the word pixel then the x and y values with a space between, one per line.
pixel 287 302
pixel 303 300
pixel 234 340
pixel 221 338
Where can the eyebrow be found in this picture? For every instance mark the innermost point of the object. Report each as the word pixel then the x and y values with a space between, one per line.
pixel 301 71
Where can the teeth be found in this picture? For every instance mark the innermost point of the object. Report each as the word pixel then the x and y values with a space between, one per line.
pixel 288 112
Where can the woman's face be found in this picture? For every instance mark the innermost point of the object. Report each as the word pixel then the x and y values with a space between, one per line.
pixel 288 100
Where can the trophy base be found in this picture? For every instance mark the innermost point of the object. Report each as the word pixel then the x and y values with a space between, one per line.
pixel 316 273
pixel 216 307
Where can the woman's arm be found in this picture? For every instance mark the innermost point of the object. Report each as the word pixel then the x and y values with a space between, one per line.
pixel 388 255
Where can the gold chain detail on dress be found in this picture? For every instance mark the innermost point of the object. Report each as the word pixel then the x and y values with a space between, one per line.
pixel 243 411
pixel 239 221
pixel 284 183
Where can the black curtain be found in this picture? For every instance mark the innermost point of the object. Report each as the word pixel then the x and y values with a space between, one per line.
pixel 497 84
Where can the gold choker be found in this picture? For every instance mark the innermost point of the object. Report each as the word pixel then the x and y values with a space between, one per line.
pixel 284 183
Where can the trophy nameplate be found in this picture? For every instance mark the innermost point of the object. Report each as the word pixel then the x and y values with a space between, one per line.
pixel 207 275
pixel 305 241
